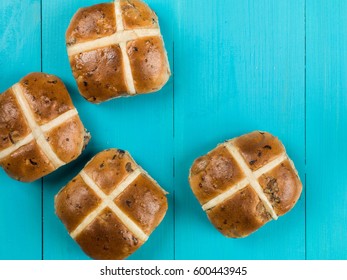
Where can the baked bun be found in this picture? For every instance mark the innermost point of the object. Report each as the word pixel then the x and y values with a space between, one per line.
pixel 245 182
pixel 40 129
pixel 112 206
pixel 116 49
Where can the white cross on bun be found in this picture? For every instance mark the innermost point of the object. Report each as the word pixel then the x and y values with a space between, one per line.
pixel 116 49
pixel 112 206
pixel 40 129
pixel 245 182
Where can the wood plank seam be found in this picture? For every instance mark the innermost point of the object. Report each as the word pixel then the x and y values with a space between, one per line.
pixel 251 179
pixel 37 132
pixel 108 201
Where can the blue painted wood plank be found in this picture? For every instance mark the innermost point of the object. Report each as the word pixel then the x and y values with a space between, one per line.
pixel 239 67
pixel 143 125
pixel 326 129
pixel 20 53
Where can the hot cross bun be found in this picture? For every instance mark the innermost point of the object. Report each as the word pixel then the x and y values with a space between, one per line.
pixel 112 206
pixel 40 129
pixel 116 49
pixel 245 182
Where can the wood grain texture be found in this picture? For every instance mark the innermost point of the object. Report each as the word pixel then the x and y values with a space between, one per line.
pixel 239 67
pixel 326 129
pixel 20 210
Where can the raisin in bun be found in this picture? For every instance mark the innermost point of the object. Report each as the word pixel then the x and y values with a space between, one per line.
pixel 112 206
pixel 245 182
pixel 40 129
pixel 116 49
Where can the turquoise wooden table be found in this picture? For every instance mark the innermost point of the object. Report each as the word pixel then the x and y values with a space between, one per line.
pixel 238 66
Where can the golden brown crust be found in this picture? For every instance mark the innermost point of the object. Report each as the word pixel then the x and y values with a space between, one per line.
pixel 282 187
pixel 258 148
pixel 74 202
pixel 67 139
pixel 240 215
pixel 109 168
pixel 47 96
pixel 91 23
pixel 149 213
pixel 116 228
pixel 240 209
pixel 27 164
pixel 106 238
pixel 213 174
pixel 148 63
pixel 13 126
pixel 137 14
pixel 99 73
pixel 37 100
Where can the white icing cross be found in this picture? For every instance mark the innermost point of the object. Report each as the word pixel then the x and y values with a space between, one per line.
pixel 108 201
pixel 121 37
pixel 251 179
pixel 37 132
